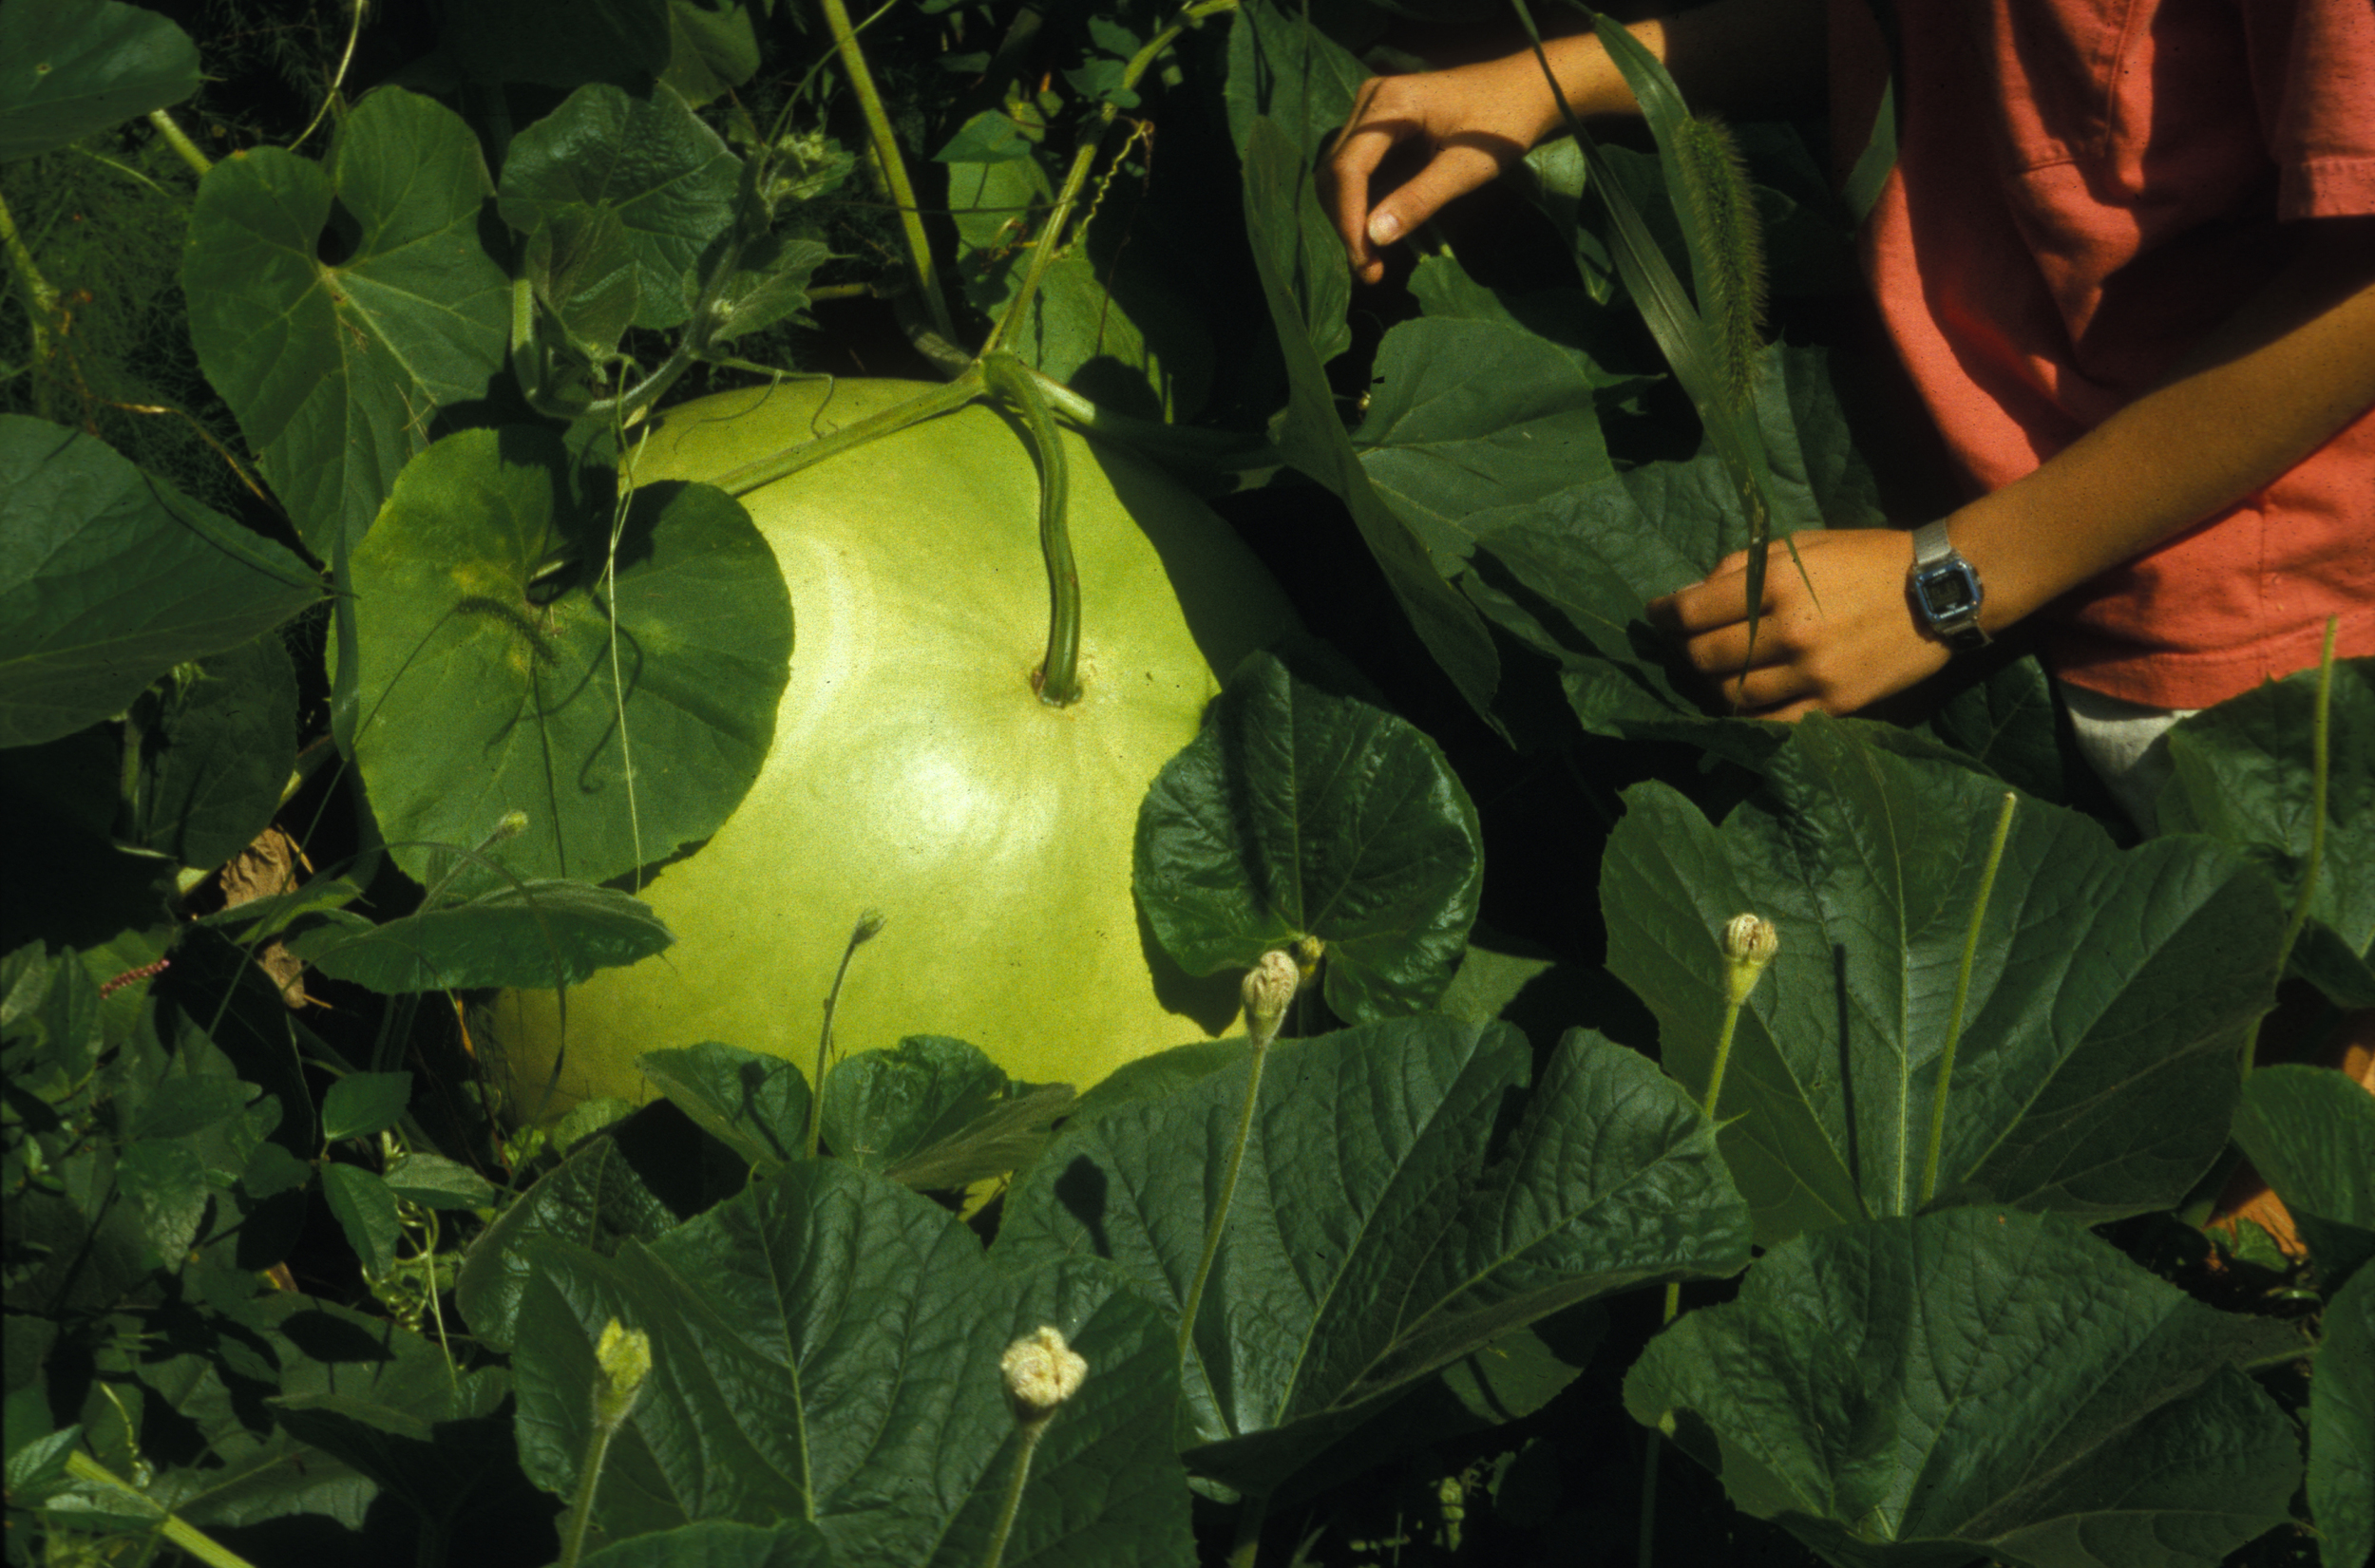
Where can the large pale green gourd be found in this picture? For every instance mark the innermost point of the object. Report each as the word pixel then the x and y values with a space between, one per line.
pixel 916 772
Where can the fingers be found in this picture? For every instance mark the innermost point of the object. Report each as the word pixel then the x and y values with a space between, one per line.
pixel 1402 113
pixel 1718 601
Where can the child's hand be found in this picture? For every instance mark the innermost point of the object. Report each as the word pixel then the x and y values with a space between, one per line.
pixel 1862 644
pixel 1468 122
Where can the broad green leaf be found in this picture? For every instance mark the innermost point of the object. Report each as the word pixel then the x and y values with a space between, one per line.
pixel 1290 241
pixel 2310 1134
pixel 713 46
pixel 2242 773
pixel 2111 999
pixel 1284 68
pixel 2007 723
pixel 719 1543
pixel 178 1106
pixel 434 1181
pixel 438 1456
pixel 458 638
pixel 597 1200
pixel 1388 1220
pixel 1570 573
pixel 825 1347
pixel 362 1103
pixel 1301 811
pixel 756 1105
pixel 582 268
pixel 109 576
pixel 69 68
pixel 537 934
pixel 771 285
pixel 558 42
pixel 1972 1383
pixel 218 753
pixel 166 1183
pixel 1466 416
pixel 337 371
pixel 366 1211
pixel 206 1378
pixel 2342 1427
pixel 882 1105
pixel 648 161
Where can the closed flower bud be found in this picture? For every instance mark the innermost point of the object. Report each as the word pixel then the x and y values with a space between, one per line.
pixel 1041 1372
pixel 624 1357
pixel 1748 944
pixel 1269 986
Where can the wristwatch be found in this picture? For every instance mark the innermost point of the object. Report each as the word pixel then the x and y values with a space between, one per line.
pixel 1946 590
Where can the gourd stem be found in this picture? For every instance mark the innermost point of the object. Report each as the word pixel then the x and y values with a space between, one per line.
pixel 929 405
pixel 1012 1504
pixel 1962 995
pixel 179 139
pixel 1250 1512
pixel 41 300
pixel 2321 740
pixel 182 1533
pixel 1059 672
pixel 892 166
pixel 1050 243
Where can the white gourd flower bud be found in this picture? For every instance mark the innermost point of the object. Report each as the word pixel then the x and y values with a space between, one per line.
pixel 1041 1372
pixel 1748 944
pixel 1269 987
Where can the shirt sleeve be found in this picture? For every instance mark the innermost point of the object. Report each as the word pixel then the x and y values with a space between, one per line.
pixel 2314 62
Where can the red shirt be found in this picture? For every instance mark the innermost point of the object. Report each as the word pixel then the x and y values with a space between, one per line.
pixel 2084 189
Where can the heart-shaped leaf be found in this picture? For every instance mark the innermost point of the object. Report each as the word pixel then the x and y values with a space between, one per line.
pixel 217 753
pixel 2111 995
pixel 2310 1134
pixel 538 933
pixel 109 576
pixel 825 1347
pixel 463 635
pixel 69 69
pixel 1301 811
pixel 756 1105
pixel 1387 1220
pixel 648 162
pixel 2242 772
pixel 2342 1425
pixel 1975 1383
pixel 361 1103
pixel 721 1543
pixel 336 370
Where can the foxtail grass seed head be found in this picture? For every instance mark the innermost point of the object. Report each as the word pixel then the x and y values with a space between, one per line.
pixel 624 1357
pixel 1041 1372
pixel 1748 944
pixel 1269 987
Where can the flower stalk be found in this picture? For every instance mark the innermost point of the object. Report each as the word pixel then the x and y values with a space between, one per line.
pixel 1962 997
pixel 622 1358
pixel 1268 988
pixel 1041 1372
pixel 1748 944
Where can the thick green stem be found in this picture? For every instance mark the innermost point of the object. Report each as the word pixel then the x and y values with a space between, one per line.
pixel 40 296
pixel 893 167
pixel 180 141
pixel 931 404
pixel 187 1537
pixel 1050 242
pixel 1218 1222
pixel 1012 1504
pixel 1250 1511
pixel 1058 678
pixel 582 1506
pixel 1962 997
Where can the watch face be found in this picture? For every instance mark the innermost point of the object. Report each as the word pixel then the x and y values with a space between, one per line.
pixel 1946 591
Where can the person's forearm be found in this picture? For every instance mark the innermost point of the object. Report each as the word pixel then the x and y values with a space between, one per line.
pixel 1735 57
pixel 2279 379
